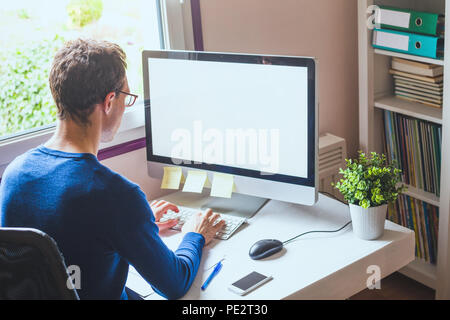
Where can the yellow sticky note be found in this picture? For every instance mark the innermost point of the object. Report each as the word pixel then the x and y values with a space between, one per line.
pixel 172 178
pixel 195 181
pixel 222 185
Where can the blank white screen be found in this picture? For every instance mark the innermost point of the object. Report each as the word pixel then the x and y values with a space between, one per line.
pixel 230 96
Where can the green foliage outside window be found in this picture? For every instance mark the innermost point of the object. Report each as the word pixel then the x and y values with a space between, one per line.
pixel 25 98
pixel 83 12
pixel 370 181
pixel 28 45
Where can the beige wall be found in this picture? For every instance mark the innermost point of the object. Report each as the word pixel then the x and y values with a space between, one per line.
pixel 326 29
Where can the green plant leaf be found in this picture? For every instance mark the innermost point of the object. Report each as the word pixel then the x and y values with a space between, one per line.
pixel 369 180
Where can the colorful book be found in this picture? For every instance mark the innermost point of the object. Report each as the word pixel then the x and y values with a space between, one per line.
pixel 415 145
pixel 423 220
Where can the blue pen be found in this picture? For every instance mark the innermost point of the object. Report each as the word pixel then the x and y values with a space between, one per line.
pixel 215 271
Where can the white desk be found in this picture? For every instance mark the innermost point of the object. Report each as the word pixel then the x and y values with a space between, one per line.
pixel 315 266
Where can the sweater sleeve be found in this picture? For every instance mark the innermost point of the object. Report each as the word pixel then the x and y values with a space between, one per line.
pixel 136 239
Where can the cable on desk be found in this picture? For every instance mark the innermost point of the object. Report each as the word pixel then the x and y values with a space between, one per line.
pixel 292 239
pixel 324 192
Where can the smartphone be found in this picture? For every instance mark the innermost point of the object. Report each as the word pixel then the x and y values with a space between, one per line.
pixel 249 283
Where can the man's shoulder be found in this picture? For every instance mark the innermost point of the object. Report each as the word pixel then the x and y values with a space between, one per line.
pixel 35 163
pixel 16 166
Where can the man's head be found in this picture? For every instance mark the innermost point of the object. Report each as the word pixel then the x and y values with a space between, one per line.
pixel 89 74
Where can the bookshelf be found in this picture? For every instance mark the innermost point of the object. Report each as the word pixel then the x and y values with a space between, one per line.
pixel 412 109
pixel 428 197
pixel 408 56
pixel 376 95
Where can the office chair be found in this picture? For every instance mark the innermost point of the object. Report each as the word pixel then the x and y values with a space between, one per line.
pixel 32 267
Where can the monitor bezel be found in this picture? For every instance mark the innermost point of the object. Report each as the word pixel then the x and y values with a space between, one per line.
pixel 307 62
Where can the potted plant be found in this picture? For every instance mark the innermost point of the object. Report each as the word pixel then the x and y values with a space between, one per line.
pixel 369 184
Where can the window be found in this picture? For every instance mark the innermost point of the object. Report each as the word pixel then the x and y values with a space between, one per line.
pixel 31 32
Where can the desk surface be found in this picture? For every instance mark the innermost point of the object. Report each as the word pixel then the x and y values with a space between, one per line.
pixel 315 266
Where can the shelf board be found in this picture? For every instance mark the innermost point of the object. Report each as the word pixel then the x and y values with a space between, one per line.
pixel 409 108
pixel 427 197
pixel 421 271
pixel 409 57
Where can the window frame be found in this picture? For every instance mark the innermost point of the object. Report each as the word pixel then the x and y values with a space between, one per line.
pixel 176 32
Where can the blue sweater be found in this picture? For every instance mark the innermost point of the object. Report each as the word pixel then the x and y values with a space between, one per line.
pixel 101 222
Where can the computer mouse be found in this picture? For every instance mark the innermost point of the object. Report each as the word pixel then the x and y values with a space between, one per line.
pixel 265 248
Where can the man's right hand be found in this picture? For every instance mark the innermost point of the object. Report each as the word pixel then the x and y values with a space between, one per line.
pixel 203 223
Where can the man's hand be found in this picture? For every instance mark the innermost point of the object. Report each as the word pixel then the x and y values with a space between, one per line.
pixel 204 224
pixel 159 209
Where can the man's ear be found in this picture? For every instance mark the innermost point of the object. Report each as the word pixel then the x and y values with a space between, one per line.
pixel 108 102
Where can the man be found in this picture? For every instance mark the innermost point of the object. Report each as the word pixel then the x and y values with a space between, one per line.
pixel 101 221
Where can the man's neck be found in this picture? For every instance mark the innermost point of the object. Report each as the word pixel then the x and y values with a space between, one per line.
pixel 71 137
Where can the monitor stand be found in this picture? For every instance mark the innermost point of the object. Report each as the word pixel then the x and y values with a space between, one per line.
pixel 238 205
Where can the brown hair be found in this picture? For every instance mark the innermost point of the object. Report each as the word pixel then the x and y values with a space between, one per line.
pixel 82 74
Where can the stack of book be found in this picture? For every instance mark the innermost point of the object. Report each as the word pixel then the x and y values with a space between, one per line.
pixel 418 81
pixel 421 217
pixel 415 145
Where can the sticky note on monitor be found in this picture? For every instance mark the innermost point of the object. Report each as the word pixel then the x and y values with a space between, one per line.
pixel 172 178
pixel 195 181
pixel 222 185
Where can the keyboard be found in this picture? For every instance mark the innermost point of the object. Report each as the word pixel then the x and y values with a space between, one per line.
pixel 232 223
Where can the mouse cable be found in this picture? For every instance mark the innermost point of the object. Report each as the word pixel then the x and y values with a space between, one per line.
pixel 331 195
pixel 292 239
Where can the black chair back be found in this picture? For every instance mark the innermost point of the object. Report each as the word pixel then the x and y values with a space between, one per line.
pixel 32 267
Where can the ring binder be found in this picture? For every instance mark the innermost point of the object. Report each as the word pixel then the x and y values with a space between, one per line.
pixel 410 21
pixel 416 44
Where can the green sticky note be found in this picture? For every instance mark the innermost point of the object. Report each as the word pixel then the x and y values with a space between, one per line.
pixel 222 185
pixel 195 181
pixel 172 178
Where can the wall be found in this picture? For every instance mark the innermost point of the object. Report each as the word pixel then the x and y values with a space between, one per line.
pixel 326 29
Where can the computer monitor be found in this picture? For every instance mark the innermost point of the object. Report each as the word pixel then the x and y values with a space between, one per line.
pixel 251 116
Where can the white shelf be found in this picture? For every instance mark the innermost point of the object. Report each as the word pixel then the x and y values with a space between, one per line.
pixel 427 197
pixel 409 57
pixel 375 94
pixel 409 108
pixel 421 271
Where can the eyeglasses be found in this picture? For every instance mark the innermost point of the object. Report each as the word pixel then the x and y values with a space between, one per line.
pixel 130 99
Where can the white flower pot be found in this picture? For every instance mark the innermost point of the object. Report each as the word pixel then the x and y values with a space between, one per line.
pixel 368 224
